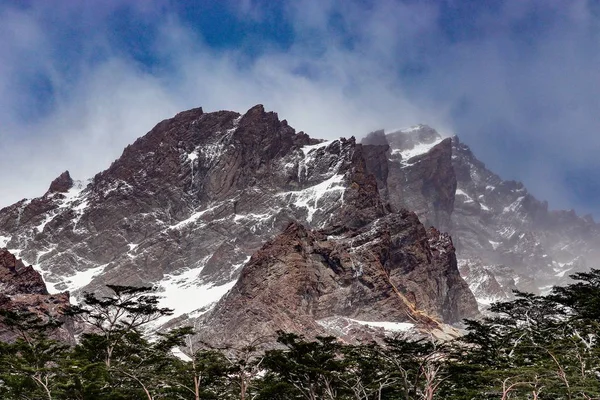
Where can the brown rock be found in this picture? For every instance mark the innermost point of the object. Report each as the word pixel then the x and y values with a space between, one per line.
pixel 23 289
pixel 62 184
pixel 387 270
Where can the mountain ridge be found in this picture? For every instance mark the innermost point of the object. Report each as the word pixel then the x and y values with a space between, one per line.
pixel 187 205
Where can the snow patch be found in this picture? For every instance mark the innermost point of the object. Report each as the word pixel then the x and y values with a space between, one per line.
pixel 417 150
pixel 191 219
pixel 507 232
pixel 180 354
pixel 460 192
pixel 183 293
pixel 309 198
pixel 339 325
pixel 49 217
pixel 79 279
pixel 494 244
pixel 236 122
pixel 307 149
pixel 256 218
pixel 386 325
pixel 562 273
pixel 4 241
pixel 413 128
pixel 514 206
pixel 193 156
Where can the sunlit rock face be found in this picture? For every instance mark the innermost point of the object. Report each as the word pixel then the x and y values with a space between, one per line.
pixel 22 290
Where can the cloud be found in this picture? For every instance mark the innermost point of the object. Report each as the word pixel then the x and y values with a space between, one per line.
pixel 518 82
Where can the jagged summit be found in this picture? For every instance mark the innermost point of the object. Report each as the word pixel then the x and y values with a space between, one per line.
pixel 62 183
pixel 304 280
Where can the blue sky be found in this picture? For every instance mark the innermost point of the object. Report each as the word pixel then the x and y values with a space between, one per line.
pixel 516 80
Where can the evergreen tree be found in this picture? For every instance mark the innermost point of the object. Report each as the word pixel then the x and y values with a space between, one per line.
pixel 30 367
pixel 305 370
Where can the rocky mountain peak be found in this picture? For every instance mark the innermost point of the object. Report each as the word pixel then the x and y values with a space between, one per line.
pixel 391 269
pixel 61 184
pixel 375 138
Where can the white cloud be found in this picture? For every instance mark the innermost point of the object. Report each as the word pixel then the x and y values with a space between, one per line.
pixel 335 79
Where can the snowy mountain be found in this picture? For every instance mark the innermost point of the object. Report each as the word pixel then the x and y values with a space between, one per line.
pixel 204 204
pixel 186 206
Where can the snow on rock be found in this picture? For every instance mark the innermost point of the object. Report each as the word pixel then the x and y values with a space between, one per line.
pixel 41 225
pixel 494 244
pixel 185 293
pixel 193 156
pixel 77 280
pixel 413 128
pixel 341 326
pixel 307 149
pixel 460 192
pixel 192 218
pixel 4 241
pixel 180 354
pixel 309 198
pixel 514 206
pixel 386 325
pixel 416 150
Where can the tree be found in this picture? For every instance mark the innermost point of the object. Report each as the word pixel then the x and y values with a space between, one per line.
pixel 113 317
pixel 369 374
pixel 30 367
pixel 542 347
pixel 116 358
pixel 308 370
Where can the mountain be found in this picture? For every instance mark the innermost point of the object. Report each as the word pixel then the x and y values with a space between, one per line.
pixel 300 233
pixel 191 206
pixel 505 238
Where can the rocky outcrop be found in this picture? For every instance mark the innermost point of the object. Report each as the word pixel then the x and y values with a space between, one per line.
pixel 16 278
pixel 505 238
pixel 62 184
pixel 414 171
pixel 23 289
pixel 506 234
pixel 388 270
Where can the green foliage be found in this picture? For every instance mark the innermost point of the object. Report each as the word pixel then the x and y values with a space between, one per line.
pixel 535 347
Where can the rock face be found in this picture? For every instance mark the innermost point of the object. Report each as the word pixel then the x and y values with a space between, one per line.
pixel 62 184
pixel 390 269
pixel 188 204
pixel 23 289
pixel 505 238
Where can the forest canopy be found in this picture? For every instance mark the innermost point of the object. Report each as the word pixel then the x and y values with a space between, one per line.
pixel 535 347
